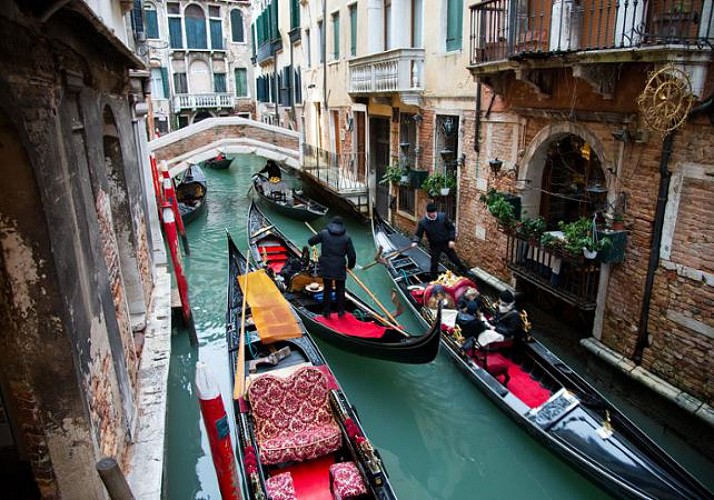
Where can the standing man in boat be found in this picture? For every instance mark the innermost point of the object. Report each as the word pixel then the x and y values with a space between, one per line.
pixel 441 234
pixel 273 170
pixel 337 255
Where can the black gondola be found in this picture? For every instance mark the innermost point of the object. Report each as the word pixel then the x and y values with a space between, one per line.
pixel 191 193
pixel 220 162
pixel 280 450
pixel 361 330
pixel 548 399
pixel 285 200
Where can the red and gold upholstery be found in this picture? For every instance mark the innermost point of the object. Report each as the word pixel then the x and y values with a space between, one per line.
pixel 280 487
pixel 456 290
pixel 292 416
pixel 346 481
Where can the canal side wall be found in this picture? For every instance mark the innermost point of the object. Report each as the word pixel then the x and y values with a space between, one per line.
pixel 76 261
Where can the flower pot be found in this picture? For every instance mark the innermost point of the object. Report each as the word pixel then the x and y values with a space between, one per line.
pixel 404 179
pixel 445 191
pixel 589 254
pixel 618 225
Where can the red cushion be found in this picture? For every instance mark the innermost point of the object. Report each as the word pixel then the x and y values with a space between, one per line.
pixel 280 487
pixel 455 291
pixel 293 417
pixel 346 481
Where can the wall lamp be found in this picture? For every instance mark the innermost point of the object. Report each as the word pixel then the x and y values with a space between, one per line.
pixel 495 166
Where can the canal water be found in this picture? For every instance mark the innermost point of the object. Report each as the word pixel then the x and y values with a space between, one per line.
pixel 439 437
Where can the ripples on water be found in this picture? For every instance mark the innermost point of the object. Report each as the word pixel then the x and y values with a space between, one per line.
pixel 440 438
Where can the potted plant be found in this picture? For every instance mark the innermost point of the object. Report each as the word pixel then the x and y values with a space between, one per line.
pixel 580 238
pixel 393 175
pixel 501 209
pixel 618 221
pixel 531 229
pixel 439 184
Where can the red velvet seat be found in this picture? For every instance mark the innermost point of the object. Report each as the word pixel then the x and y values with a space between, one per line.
pixel 346 482
pixel 281 487
pixel 493 362
pixel 293 417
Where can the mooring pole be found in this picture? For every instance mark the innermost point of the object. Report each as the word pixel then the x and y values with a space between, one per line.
pixel 113 479
pixel 170 196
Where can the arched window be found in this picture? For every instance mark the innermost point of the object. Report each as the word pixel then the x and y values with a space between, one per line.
pixel 237 26
pixel 152 21
pixel 195 27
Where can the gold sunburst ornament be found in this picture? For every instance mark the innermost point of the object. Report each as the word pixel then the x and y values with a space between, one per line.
pixel 667 99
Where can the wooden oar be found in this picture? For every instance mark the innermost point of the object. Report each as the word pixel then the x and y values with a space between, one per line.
pixel 392 322
pixel 239 384
pixel 384 259
pixel 262 230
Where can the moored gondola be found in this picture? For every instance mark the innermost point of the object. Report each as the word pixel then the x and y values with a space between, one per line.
pixel 320 451
pixel 362 330
pixel 545 396
pixel 279 196
pixel 191 192
pixel 220 162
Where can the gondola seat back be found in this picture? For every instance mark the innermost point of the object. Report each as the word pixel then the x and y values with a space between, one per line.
pixel 293 419
pixel 346 482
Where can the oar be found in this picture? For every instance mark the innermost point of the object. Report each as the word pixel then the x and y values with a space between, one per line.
pixel 239 384
pixel 392 322
pixel 383 260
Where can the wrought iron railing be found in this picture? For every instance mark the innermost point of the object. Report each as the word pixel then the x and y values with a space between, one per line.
pixel 501 29
pixel 572 278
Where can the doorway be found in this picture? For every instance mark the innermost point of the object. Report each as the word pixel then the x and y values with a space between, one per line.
pixel 379 160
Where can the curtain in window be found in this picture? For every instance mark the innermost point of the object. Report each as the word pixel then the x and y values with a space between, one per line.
pixel 157 83
pixel 180 83
pixel 152 24
pixel 219 82
pixel 195 28
pixel 175 30
pixel 241 76
pixel 237 26
pixel 216 34
pixel 454 22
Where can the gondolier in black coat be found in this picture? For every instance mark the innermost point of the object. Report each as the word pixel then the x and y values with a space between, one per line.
pixel 441 234
pixel 338 254
pixel 272 169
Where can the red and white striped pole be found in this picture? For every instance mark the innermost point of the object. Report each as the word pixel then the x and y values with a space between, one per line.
pixel 219 432
pixel 181 282
pixel 170 196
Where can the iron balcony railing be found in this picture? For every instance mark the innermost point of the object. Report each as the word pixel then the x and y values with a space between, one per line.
pixel 196 101
pixel 572 278
pixel 502 29
pixel 396 70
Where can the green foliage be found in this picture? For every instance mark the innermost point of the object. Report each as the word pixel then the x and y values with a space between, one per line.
pixel 579 235
pixel 438 181
pixel 531 228
pixel 499 207
pixel 393 174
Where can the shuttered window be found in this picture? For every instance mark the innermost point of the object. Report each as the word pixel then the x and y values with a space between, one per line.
pixel 237 34
pixel 454 22
pixel 159 83
pixel 180 83
pixel 353 30
pixel 152 22
pixel 195 28
pixel 241 76
pixel 216 34
pixel 219 82
pixel 175 33
pixel 336 37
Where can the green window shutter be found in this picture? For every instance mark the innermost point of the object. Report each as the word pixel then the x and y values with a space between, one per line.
pixel 152 24
pixel 253 39
pixel 336 36
pixel 241 76
pixel 294 14
pixel 353 31
pixel 175 33
pixel 196 33
pixel 237 26
pixel 216 34
pixel 454 22
pixel 165 82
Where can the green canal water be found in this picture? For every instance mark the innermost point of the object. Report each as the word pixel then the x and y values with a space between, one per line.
pixel 440 438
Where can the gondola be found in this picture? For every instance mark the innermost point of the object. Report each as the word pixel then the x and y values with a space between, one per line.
pixel 545 397
pixel 220 162
pixel 285 200
pixel 191 193
pixel 321 450
pixel 361 330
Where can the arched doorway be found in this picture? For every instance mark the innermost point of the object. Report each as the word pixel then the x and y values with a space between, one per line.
pixel 201 115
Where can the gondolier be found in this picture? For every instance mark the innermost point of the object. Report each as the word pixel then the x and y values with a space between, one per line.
pixel 338 254
pixel 273 170
pixel 441 234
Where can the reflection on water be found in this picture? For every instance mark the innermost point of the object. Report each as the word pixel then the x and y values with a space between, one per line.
pixel 438 435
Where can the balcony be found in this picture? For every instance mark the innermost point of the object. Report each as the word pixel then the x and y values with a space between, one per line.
pixel 573 279
pixel 508 35
pixel 394 71
pixel 196 101
pixel 267 50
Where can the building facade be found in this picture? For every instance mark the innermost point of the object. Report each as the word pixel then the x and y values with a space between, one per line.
pixel 199 57
pixel 77 251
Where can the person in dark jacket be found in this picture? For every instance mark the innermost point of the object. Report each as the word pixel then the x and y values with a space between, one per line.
pixel 441 235
pixel 337 255
pixel 506 323
pixel 273 170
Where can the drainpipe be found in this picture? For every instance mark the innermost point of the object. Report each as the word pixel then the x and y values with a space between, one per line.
pixel 477 129
pixel 662 196
pixel 324 58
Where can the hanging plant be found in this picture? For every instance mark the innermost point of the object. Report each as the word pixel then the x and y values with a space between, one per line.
pixel 579 237
pixel 438 181
pixel 393 175
pixel 501 209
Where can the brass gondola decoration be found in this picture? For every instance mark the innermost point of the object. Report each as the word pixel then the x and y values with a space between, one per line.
pixel 666 99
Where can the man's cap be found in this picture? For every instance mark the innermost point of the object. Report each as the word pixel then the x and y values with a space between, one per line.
pixel 337 220
pixel 506 296
pixel 431 207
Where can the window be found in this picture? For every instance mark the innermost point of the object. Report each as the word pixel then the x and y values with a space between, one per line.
pixel 387 24
pixel 298 87
pixel 180 83
pixel 241 76
pixel 336 36
pixel 308 48
pixel 216 27
pixel 294 14
pixel 219 83
pixel 175 30
pixel 237 26
pixel 321 40
pixel 159 83
pixel 353 30
pixel 195 27
pixel 152 22
pixel 417 23
pixel 454 22
pixel 407 197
